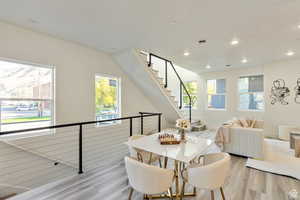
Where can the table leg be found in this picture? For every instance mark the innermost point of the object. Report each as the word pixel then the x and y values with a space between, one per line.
pixel 177 179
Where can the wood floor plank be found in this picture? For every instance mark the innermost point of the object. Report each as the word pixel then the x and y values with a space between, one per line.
pixel 242 184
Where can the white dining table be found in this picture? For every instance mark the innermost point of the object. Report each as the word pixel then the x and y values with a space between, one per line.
pixel 185 152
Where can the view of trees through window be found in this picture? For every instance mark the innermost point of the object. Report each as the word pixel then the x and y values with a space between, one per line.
pixel 26 98
pixel 107 98
pixel 192 88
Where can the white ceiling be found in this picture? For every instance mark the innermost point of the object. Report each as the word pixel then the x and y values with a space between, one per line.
pixel 266 28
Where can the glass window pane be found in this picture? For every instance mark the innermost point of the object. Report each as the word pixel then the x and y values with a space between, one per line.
pixel 253 101
pixel 186 101
pixel 32 81
pixel 107 98
pixel 216 101
pixel 211 87
pixel 25 114
pixel 251 84
pixel 221 86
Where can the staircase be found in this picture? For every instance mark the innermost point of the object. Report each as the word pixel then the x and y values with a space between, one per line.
pixel 161 84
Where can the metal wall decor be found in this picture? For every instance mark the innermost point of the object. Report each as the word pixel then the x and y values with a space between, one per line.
pixel 279 92
pixel 297 92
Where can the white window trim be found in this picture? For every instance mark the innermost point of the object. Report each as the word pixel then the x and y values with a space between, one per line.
pixel 224 94
pixel 53 100
pixel 238 95
pixel 119 99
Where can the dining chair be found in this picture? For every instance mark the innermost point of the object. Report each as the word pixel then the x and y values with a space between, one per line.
pixel 148 179
pixel 211 174
pixel 141 155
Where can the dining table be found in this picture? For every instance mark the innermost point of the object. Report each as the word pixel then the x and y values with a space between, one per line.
pixel 182 154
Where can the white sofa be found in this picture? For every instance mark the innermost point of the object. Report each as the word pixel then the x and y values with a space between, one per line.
pixel 247 142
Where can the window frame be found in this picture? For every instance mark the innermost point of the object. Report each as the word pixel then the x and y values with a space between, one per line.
pixel 51 100
pixel 185 95
pixel 238 94
pixel 119 94
pixel 224 94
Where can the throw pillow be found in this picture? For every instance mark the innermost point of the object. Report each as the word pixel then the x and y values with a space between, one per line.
pixel 244 123
pixel 253 123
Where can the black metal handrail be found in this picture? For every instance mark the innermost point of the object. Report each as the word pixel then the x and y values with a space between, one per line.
pixel 182 85
pixel 80 124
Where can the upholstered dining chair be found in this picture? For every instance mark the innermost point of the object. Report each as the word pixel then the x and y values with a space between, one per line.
pixel 141 155
pixel 148 179
pixel 211 174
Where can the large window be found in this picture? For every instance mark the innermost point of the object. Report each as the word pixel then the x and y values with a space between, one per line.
pixel 26 96
pixel 216 94
pixel 192 88
pixel 107 98
pixel 251 92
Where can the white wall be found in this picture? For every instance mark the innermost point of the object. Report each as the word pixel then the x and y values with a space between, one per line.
pixel 273 115
pixel 76 67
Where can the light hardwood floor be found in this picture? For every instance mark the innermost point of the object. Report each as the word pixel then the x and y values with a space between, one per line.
pixel 112 184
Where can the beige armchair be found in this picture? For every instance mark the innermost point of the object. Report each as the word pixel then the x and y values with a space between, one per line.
pixel 247 142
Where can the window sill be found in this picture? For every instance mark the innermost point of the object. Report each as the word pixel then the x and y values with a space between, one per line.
pixel 26 135
pixel 240 110
pixel 216 109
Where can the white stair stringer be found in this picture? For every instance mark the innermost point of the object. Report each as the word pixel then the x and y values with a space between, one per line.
pixel 148 81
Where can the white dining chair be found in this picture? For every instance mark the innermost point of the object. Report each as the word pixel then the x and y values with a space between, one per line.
pixel 211 174
pixel 148 179
pixel 141 155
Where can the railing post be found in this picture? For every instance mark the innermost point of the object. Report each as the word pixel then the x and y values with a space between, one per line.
pixel 80 171
pixel 142 124
pixel 190 117
pixel 180 96
pixel 166 74
pixel 130 126
pixel 159 122
pixel 150 57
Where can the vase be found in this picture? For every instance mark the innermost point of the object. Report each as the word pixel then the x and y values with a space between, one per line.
pixel 182 135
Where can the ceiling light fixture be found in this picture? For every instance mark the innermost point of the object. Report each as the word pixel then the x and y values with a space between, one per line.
pixel 290 53
pixel 234 42
pixel 298 26
pixel 244 60
pixel 208 66
pixel 186 53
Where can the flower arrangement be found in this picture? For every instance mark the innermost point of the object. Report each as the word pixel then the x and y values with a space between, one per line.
pixel 183 124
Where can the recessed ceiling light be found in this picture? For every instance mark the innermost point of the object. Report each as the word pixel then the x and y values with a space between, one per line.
pixel 290 53
pixel 186 53
pixel 244 60
pixel 298 26
pixel 228 65
pixel 234 42
pixel 208 66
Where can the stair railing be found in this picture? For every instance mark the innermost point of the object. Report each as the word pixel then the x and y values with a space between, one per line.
pixel 80 126
pixel 182 85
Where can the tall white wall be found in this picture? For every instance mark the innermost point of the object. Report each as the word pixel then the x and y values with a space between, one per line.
pixel 273 115
pixel 76 67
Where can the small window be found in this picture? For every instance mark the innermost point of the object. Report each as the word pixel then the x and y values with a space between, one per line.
pixel 192 88
pixel 107 99
pixel 216 94
pixel 251 92
pixel 26 96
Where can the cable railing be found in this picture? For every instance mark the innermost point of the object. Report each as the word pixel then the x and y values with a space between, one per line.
pixel 80 125
pixel 181 83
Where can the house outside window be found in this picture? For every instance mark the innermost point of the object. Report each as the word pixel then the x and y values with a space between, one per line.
pixel 251 93
pixel 107 98
pixel 192 88
pixel 26 95
pixel 216 94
